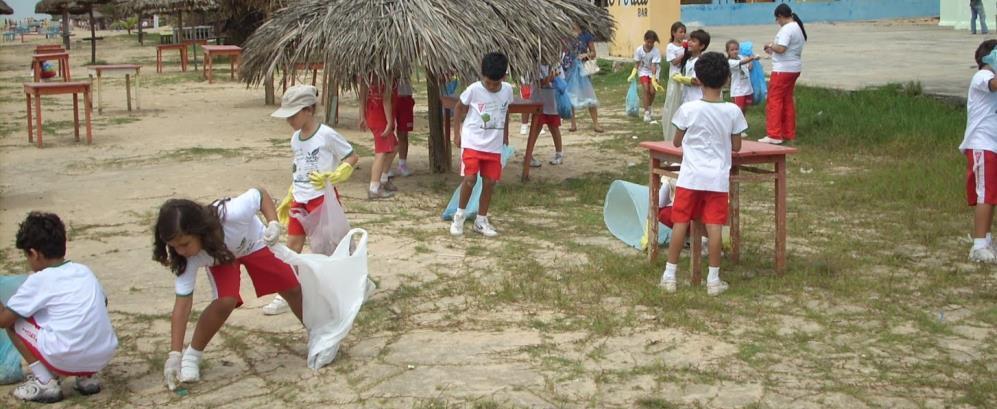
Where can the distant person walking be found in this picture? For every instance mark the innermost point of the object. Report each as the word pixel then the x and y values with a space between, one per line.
pixel 787 63
pixel 976 10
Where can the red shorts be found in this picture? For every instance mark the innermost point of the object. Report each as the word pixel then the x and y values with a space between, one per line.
pixel 294 227
pixel 404 117
pixel 552 121
pixel 526 91
pixel 377 123
pixel 700 205
pixel 488 164
pixel 981 177
pixel 269 275
pixel 665 216
pixel 743 101
pixel 644 80
pixel 27 330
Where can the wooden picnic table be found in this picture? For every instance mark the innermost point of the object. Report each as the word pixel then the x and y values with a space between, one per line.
pixel 518 106
pixel 211 51
pixel 128 70
pixel 37 89
pixel 63 58
pixel 665 159
pixel 166 47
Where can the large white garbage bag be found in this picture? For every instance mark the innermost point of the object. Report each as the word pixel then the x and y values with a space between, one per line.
pixel 333 289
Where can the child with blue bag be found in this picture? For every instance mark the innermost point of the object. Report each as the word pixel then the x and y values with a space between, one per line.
pixel 552 97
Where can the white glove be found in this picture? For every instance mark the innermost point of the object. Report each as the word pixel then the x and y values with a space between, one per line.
pixel 272 233
pixel 172 369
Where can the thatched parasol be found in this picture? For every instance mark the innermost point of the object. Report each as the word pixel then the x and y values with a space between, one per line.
pixel 5 9
pixel 392 38
pixel 67 7
pixel 145 7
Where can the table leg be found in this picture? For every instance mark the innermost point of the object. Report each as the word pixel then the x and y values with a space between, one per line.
pixel 193 46
pixel 38 118
pixel 68 77
pixel 159 61
pixel 696 258
pixel 209 67
pixel 138 106
pixel 100 95
pixel 735 215
pixel 30 125
pixel 780 215
pixel 76 116
pixel 653 187
pixel 183 59
pixel 128 93
pixel 231 67
pixel 88 107
pixel 531 141
pixel 36 66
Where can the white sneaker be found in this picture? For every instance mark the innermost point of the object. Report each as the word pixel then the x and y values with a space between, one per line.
pixel 670 286
pixel 457 226
pixel 485 228
pixel 87 385
pixel 276 307
pixel 771 141
pixel 524 129
pixel 984 255
pixel 535 163
pixel 404 171
pixel 647 116
pixel 717 288
pixel 558 159
pixel 34 391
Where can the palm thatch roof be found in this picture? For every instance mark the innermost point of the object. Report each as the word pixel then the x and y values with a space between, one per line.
pixel 391 38
pixel 167 6
pixel 58 7
pixel 5 9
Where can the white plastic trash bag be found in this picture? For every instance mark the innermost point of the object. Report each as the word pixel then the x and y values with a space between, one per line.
pixel 333 289
pixel 325 226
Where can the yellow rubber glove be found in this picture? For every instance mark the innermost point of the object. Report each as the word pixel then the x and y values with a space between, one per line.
pixel 341 174
pixel 284 208
pixel 681 79
pixel 633 75
pixel 657 87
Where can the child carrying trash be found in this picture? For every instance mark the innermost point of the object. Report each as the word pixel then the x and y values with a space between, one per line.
pixel 58 318
pixel 647 59
pixel 546 94
pixel 979 144
pixel 741 91
pixel 708 132
pixel 321 155
pixel 483 112
pixel 222 237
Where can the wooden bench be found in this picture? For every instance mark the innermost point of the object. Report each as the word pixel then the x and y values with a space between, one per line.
pixel 159 55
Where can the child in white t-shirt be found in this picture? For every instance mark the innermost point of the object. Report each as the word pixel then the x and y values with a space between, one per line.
pixel 741 91
pixel 708 132
pixel 545 93
pixel 674 54
pixel 58 318
pixel 321 155
pixel 647 62
pixel 222 237
pixel 483 112
pixel 979 144
pixel 699 40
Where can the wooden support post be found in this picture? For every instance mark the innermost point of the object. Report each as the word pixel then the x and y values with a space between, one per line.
pixel 439 146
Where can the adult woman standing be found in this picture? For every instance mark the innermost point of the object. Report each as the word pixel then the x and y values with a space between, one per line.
pixel 580 86
pixel 786 51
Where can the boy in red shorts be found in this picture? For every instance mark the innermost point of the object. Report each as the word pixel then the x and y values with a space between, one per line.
pixel 547 95
pixel 404 106
pixel 483 112
pixel 708 132
pixel 979 144
pixel 378 101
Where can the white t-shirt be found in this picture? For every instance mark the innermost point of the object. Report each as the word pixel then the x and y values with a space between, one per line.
pixel 671 53
pixel 243 236
pixel 68 304
pixel 484 126
pixel 981 114
pixel 706 147
pixel 647 61
pixel 322 152
pixel 692 92
pixel 791 37
pixel 740 80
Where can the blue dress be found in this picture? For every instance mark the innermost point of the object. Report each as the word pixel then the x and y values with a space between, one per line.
pixel 580 88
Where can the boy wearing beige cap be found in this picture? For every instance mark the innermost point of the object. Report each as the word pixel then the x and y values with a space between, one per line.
pixel 321 155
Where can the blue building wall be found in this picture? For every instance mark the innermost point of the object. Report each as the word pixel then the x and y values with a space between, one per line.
pixel 727 12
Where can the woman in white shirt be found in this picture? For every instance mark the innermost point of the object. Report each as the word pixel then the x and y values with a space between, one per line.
pixel 786 51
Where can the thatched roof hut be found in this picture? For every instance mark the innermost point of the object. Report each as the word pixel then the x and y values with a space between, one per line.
pixel 167 6
pixel 67 7
pixel 5 9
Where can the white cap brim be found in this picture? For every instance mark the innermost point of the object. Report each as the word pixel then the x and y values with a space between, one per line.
pixel 285 112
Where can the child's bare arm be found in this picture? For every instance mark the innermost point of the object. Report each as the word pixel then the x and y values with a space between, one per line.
pixel 735 143
pixel 460 111
pixel 505 130
pixel 7 317
pixel 181 314
pixel 352 159
pixel 679 135
pixel 389 112
pixel 266 205
pixel 993 84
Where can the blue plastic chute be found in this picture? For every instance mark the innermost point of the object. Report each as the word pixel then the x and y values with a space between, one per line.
pixel 757 75
pixel 10 359
pixel 472 205
pixel 625 213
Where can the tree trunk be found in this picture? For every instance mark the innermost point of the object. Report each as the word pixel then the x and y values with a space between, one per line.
pixel 65 29
pixel 439 147
pixel 270 98
pixel 141 34
pixel 331 98
pixel 179 38
pixel 93 39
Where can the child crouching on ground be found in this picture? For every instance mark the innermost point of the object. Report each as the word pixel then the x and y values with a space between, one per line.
pixel 708 132
pixel 58 318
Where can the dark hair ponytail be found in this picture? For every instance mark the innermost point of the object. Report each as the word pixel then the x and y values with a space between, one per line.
pixel 184 217
pixel 783 10
pixel 675 28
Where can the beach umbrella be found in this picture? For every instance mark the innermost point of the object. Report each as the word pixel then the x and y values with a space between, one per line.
pixel 67 7
pixel 391 39
pixel 5 9
pixel 145 7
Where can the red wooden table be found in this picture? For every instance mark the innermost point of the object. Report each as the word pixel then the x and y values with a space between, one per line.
pixel 63 58
pixel 665 159
pixel 128 70
pixel 179 47
pixel 519 106
pixel 37 89
pixel 49 48
pixel 211 51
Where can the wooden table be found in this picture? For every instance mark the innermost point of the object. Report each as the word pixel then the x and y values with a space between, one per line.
pixel 49 48
pixel 211 51
pixel 193 47
pixel 63 58
pixel 665 159
pixel 37 89
pixel 518 106
pixel 128 70
pixel 159 55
